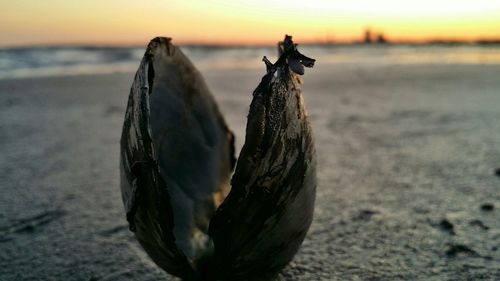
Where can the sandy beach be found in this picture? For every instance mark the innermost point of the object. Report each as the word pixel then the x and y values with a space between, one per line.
pixel 406 169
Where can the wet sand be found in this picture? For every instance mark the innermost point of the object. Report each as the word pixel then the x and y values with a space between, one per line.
pixel 406 167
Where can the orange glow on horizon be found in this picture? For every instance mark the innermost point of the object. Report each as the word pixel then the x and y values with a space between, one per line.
pixel 256 22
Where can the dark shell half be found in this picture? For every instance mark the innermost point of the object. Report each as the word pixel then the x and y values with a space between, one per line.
pixel 177 155
pixel 262 223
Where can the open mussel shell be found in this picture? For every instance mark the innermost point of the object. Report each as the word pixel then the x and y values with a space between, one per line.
pixel 177 155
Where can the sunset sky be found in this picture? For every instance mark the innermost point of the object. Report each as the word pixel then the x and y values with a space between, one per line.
pixel 116 22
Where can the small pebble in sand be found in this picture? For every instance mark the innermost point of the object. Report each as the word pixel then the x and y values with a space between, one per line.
pixel 365 215
pixel 479 224
pixel 447 226
pixel 487 207
pixel 497 172
pixel 455 249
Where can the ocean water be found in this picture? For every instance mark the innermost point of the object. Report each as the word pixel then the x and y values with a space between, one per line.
pixel 55 61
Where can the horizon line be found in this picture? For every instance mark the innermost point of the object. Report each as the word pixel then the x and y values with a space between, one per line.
pixel 318 42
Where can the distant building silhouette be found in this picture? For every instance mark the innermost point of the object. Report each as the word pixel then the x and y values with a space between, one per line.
pixel 381 39
pixel 368 36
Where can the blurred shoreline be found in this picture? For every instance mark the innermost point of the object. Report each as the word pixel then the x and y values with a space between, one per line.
pixel 52 61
